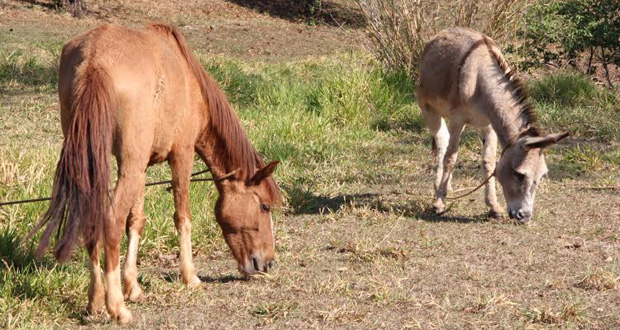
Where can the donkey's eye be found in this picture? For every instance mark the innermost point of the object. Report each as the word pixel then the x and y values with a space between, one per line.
pixel 265 207
pixel 520 176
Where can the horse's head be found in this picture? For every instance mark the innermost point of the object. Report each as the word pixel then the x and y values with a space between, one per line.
pixel 243 210
pixel 521 169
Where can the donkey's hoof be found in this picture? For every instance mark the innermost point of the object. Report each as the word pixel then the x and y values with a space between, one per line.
pixel 495 215
pixel 439 208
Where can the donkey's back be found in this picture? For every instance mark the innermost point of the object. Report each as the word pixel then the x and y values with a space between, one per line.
pixel 449 68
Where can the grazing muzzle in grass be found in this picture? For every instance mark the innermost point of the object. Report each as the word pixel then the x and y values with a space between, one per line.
pixel 243 210
pixel 520 171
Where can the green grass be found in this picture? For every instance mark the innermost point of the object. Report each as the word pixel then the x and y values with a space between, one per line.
pixel 570 100
pixel 18 69
pixel 325 119
pixel 306 114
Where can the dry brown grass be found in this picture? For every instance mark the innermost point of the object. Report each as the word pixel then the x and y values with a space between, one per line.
pixel 399 29
pixel 599 280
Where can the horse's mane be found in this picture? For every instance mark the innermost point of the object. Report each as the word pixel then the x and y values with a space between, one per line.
pixel 517 87
pixel 232 146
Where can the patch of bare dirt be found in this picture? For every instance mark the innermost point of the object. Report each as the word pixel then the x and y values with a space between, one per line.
pixel 214 27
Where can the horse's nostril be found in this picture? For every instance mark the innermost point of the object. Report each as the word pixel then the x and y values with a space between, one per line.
pixel 255 263
pixel 270 264
pixel 520 215
pixel 511 214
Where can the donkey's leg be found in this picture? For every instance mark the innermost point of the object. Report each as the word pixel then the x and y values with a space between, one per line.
pixel 437 127
pixel 96 291
pixel 449 160
pixel 489 150
pixel 135 227
pixel 130 182
pixel 181 165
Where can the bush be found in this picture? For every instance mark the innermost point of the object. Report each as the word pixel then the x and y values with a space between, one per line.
pixel 399 29
pixel 75 7
pixel 561 32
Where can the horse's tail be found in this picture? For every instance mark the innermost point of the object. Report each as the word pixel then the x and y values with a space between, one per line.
pixel 80 197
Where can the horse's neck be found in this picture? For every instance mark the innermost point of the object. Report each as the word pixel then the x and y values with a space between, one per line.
pixel 207 150
pixel 497 100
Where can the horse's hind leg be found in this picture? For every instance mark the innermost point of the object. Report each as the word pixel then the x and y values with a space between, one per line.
pixel 96 291
pixel 135 227
pixel 181 165
pixel 489 150
pixel 130 182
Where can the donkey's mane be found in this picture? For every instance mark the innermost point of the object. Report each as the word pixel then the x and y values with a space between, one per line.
pixel 232 146
pixel 517 87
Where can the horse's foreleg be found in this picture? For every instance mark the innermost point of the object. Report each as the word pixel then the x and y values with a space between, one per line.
pixel 449 160
pixel 181 166
pixel 96 291
pixel 126 192
pixel 135 227
pixel 489 150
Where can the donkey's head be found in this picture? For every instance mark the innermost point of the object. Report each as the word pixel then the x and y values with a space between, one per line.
pixel 243 210
pixel 521 169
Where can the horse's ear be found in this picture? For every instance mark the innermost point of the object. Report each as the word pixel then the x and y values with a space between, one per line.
pixel 543 141
pixel 264 172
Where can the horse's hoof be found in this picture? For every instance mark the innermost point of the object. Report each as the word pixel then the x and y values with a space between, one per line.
pixel 194 282
pixel 135 294
pixel 94 309
pixel 124 315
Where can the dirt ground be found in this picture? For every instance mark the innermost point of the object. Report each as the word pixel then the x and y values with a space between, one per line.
pixel 371 256
pixel 361 250
pixel 212 27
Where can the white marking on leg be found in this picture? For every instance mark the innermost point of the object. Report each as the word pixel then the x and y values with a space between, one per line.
pixel 188 271
pixel 273 235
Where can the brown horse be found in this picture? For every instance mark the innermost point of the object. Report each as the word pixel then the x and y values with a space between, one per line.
pixel 141 96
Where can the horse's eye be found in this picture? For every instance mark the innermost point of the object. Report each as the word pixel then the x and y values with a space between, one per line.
pixel 265 207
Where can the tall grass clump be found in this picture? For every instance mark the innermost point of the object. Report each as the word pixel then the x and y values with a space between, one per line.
pixel 24 70
pixel 317 108
pixel 399 29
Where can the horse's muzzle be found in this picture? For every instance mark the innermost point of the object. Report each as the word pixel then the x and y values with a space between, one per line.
pixel 257 265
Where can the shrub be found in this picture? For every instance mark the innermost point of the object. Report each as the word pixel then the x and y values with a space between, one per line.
pixel 75 7
pixel 561 32
pixel 399 29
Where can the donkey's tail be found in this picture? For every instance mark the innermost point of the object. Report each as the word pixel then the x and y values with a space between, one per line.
pixel 80 197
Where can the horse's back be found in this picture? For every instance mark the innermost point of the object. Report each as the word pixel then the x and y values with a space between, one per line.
pixel 149 78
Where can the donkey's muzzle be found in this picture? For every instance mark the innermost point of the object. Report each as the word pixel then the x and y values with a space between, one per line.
pixel 520 215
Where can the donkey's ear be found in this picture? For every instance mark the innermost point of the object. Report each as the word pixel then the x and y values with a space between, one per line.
pixel 543 141
pixel 264 172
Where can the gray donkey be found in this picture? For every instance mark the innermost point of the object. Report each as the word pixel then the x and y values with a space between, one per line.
pixel 465 78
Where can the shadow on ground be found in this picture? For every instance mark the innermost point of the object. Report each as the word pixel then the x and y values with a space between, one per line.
pixel 330 13
pixel 306 202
